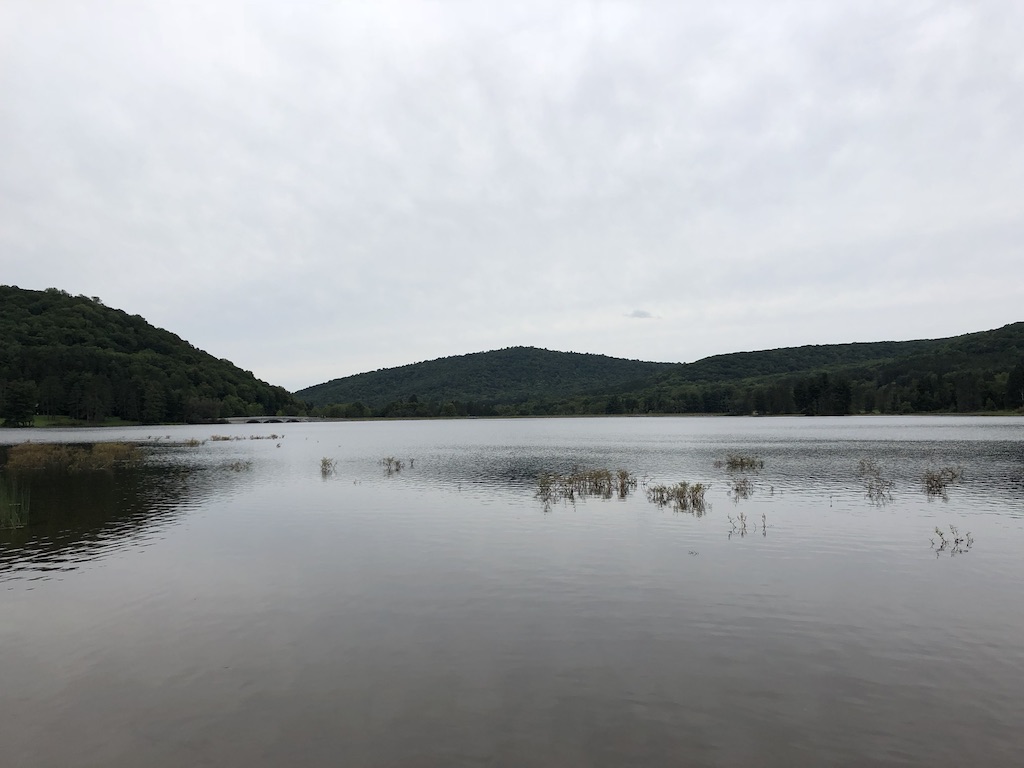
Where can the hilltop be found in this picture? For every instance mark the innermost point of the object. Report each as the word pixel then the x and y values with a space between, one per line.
pixel 502 376
pixel 71 356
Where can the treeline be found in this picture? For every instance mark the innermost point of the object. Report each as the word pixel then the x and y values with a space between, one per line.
pixel 70 356
pixel 821 394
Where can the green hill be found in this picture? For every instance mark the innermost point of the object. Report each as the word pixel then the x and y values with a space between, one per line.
pixel 975 372
pixel 503 376
pixel 63 355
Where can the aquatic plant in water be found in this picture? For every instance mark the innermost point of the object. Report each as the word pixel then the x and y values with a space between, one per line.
pixel 71 458
pixel 955 544
pixel 682 497
pixel 937 481
pixel 739 525
pixel 14 504
pixel 877 487
pixel 328 466
pixel 741 488
pixel 392 465
pixel 552 486
pixel 741 462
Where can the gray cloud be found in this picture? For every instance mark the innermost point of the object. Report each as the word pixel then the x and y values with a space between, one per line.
pixel 316 191
pixel 640 314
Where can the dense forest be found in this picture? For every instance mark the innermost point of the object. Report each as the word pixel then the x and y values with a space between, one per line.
pixel 70 356
pixel 978 372
pixel 510 375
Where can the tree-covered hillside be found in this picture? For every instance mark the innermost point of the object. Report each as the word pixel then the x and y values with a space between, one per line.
pixel 64 355
pixel 502 376
pixel 965 374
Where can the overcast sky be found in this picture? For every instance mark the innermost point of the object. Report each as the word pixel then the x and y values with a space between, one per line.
pixel 313 190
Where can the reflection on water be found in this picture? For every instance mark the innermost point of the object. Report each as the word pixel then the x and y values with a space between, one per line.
pixel 231 603
pixel 79 516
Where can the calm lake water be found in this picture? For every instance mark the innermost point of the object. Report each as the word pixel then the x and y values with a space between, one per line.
pixel 207 611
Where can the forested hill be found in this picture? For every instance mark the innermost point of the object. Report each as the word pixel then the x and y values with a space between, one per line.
pixel 65 355
pixel 965 374
pixel 509 375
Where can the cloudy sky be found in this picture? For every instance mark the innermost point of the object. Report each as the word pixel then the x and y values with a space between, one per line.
pixel 316 189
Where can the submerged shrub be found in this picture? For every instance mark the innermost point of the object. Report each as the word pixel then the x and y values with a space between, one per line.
pixel 937 481
pixel 877 487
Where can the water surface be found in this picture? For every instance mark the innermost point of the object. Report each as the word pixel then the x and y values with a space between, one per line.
pixel 205 610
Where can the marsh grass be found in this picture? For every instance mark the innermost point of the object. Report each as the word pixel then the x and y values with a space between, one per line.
pixel 682 497
pixel 240 466
pixel 14 504
pixel 328 466
pixel 937 481
pixel 71 458
pixel 741 462
pixel 193 443
pixel 581 484
pixel 877 487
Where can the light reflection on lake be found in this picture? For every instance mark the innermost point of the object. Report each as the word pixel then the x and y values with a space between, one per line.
pixel 206 611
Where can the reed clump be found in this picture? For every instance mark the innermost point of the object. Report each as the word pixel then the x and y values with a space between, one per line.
pixel 682 497
pixel 937 481
pixel 240 466
pixel 193 443
pixel 71 458
pixel 741 462
pixel 552 486
pixel 877 487
pixel 15 504
pixel 328 466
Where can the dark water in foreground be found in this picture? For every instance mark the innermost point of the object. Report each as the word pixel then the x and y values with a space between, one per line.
pixel 202 612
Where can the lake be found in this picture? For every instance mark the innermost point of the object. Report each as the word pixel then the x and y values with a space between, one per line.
pixel 228 603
